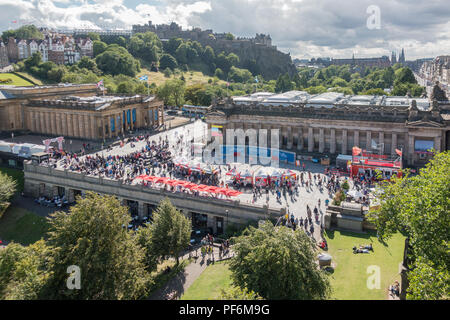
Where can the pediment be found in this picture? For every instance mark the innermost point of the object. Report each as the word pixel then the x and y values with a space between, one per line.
pixel 426 123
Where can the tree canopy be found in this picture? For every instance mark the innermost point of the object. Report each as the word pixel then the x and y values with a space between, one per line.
pixel 170 231
pixel 116 60
pixel 278 263
pixel 419 206
pixel 94 237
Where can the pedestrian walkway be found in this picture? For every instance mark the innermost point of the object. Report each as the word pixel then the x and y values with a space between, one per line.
pixel 182 281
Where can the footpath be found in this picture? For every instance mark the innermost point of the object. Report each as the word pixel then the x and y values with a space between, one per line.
pixel 183 280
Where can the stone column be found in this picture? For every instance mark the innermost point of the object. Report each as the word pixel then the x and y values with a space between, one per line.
pixel 289 137
pixel 368 140
pixel 437 144
pixel 87 127
pixel 70 125
pixel 92 126
pixel 344 141
pixel 356 138
pixel 141 207
pixel 393 142
pixel 410 149
pixel 109 127
pixel 32 122
pixel 42 122
pixel 47 127
pixel 53 123
pixel 300 139
pixel 59 124
pixel 63 124
pixel 381 141
pixel 321 140
pixel 310 139
pixel 75 125
pixel 333 141
pixel 81 128
pixel 37 122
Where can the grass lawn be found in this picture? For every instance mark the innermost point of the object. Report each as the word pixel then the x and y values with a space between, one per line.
pixel 16 81
pixel 161 277
pixel 158 77
pixel 16 175
pixel 22 226
pixel 349 279
pixel 208 286
pixel 30 77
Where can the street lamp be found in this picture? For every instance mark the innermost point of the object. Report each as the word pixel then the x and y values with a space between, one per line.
pixel 227 216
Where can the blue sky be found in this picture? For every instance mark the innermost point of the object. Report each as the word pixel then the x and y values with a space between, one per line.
pixel 304 28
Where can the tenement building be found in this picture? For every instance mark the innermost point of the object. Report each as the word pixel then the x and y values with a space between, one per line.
pixel 332 123
pixel 76 111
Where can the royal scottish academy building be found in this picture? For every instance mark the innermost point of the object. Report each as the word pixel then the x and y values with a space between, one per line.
pixel 76 111
pixel 333 123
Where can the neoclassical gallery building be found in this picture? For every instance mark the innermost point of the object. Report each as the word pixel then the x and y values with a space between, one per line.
pixel 76 110
pixel 332 123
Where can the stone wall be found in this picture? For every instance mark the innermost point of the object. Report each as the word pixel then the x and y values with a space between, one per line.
pixel 40 180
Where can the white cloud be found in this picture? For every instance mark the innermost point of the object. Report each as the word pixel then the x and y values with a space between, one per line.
pixel 305 28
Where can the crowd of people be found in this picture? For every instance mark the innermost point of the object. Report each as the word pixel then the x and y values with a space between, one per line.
pixel 122 167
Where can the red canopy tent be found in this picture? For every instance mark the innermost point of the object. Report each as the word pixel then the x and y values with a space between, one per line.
pixel 161 179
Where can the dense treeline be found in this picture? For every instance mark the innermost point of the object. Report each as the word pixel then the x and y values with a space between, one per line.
pixel 117 60
pixel 107 261
pixel 350 80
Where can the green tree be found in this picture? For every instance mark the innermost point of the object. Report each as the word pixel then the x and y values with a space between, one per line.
pixel 284 83
pixel 278 263
pixel 56 74
pixel 419 206
pixel 233 59
pixel 167 61
pixel 89 64
pixel 219 73
pixel 146 46
pixel 172 45
pixel 170 231
pixel 7 188
pixel 223 63
pixel 94 237
pixel 239 75
pixel 404 75
pixel 34 61
pixel 26 32
pixel 144 239
pixel 98 47
pixel 125 87
pixel 23 271
pixel 116 60
pixel 236 293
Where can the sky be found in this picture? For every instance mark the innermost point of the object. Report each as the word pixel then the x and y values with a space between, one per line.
pixel 303 28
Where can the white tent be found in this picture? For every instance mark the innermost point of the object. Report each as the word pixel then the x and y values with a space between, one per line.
pixel 355 194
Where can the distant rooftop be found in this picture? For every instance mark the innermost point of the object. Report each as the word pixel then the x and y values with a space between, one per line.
pixel 329 99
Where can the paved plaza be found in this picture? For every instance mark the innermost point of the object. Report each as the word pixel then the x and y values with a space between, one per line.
pixel 180 142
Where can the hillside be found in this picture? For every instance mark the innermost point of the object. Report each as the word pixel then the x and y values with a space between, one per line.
pixel 191 77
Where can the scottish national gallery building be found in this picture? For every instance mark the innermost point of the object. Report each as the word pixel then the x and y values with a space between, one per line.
pixel 332 123
pixel 76 111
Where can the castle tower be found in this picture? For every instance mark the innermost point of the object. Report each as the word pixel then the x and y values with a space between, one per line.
pixel 393 58
pixel 401 58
